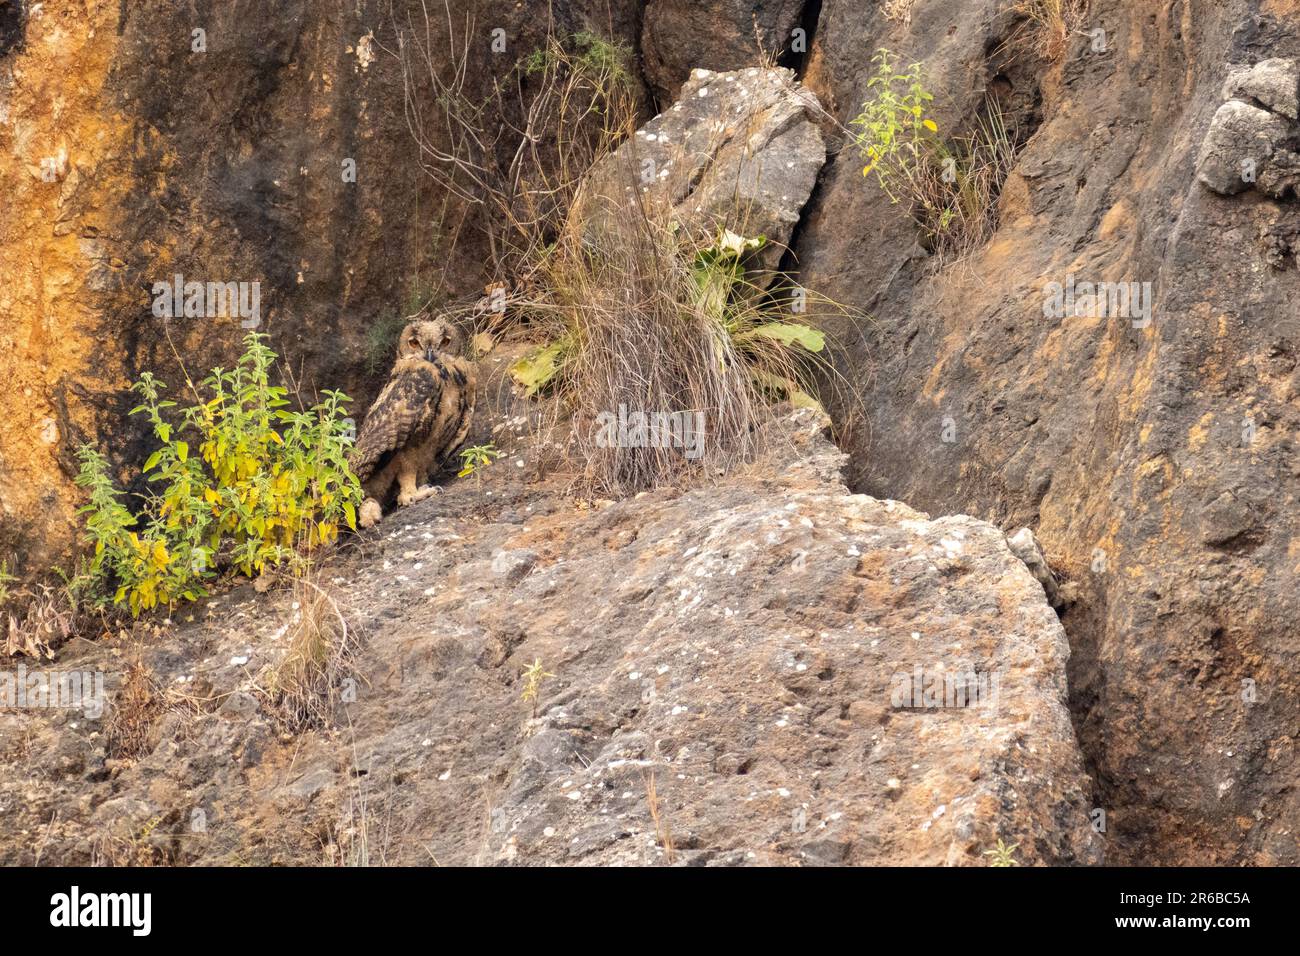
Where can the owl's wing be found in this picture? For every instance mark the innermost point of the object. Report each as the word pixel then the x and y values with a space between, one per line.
pixel 403 415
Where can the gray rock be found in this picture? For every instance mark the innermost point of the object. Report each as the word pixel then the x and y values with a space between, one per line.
pixel 680 35
pixel 513 566
pixel 1239 135
pixel 754 684
pixel 1275 83
pixel 310 784
pixel 1281 177
pixel 740 150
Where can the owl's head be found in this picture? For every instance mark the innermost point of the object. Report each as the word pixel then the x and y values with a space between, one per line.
pixel 425 339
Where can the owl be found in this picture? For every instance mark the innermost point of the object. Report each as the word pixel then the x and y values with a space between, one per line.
pixel 419 418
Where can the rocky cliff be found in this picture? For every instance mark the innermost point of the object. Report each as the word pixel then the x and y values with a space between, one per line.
pixel 1153 453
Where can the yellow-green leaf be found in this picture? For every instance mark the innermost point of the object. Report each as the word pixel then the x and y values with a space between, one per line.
pixel 787 333
pixel 536 370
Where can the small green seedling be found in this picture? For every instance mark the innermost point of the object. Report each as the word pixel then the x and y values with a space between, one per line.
pixel 474 460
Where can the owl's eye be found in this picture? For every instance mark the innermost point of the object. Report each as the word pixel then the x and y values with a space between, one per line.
pixel 414 343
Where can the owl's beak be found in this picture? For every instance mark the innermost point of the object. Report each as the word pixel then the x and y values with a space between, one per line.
pixel 429 353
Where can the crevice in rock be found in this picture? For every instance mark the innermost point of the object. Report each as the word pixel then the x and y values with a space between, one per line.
pixel 809 18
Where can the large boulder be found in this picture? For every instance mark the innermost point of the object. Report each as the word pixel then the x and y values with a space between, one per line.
pixel 739 150
pixel 762 672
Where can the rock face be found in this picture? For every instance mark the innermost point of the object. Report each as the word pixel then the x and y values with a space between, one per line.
pixel 680 36
pixel 771 654
pixel 262 149
pixel 1157 465
pixel 738 149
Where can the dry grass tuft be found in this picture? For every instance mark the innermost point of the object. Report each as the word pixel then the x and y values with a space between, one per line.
pixel 138 703
pixel 899 11
pixel 660 318
pixel 1049 25
pixel 306 686
pixel 663 831
pixel 638 339
pixel 955 191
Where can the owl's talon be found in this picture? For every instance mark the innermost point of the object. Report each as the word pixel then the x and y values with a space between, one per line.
pixel 370 513
pixel 428 491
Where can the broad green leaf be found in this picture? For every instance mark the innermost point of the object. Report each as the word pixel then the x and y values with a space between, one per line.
pixel 787 333
pixel 536 370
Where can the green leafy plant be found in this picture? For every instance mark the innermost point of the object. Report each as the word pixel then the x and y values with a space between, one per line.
pixel 243 479
pixel 533 676
pixel 603 62
pixel 952 187
pixel 1001 855
pixel 894 134
pixel 477 458
pixel 751 320
pixel 767 343
pixel 539 368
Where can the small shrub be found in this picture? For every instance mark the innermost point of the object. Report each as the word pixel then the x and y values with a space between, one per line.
pixel 956 193
pixel 951 187
pixel 263 483
pixel 136 706
pixel 604 65
pixel 533 676
pixel 894 134
pixel 475 459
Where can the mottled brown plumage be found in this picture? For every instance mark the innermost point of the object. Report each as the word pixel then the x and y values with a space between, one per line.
pixel 419 418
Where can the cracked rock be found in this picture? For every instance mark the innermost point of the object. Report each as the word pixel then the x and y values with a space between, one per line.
pixel 1238 146
pixel 1274 83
